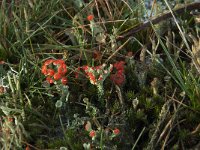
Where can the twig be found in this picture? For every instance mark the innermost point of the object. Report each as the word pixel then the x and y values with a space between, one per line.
pixel 159 19
pixel 196 130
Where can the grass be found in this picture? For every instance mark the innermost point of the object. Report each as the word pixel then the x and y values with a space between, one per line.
pixel 72 82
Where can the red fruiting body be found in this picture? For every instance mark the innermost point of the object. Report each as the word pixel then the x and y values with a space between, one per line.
pixel 44 70
pixel 61 61
pixel 90 17
pixel 92 134
pixel 50 72
pixel 57 76
pixel 48 62
pixel 64 80
pixel 85 68
pixel 121 72
pixel 116 131
pixel 118 79
pixel 58 62
pixel 62 69
pixel 91 77
pixel 119 65
pixel 49 80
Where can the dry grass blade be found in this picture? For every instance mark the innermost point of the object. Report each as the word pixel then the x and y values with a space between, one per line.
pixel 196 52
pixel 162 118
pixel 170 125
pixel 117 50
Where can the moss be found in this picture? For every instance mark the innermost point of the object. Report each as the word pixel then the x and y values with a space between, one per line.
pixel 3 53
